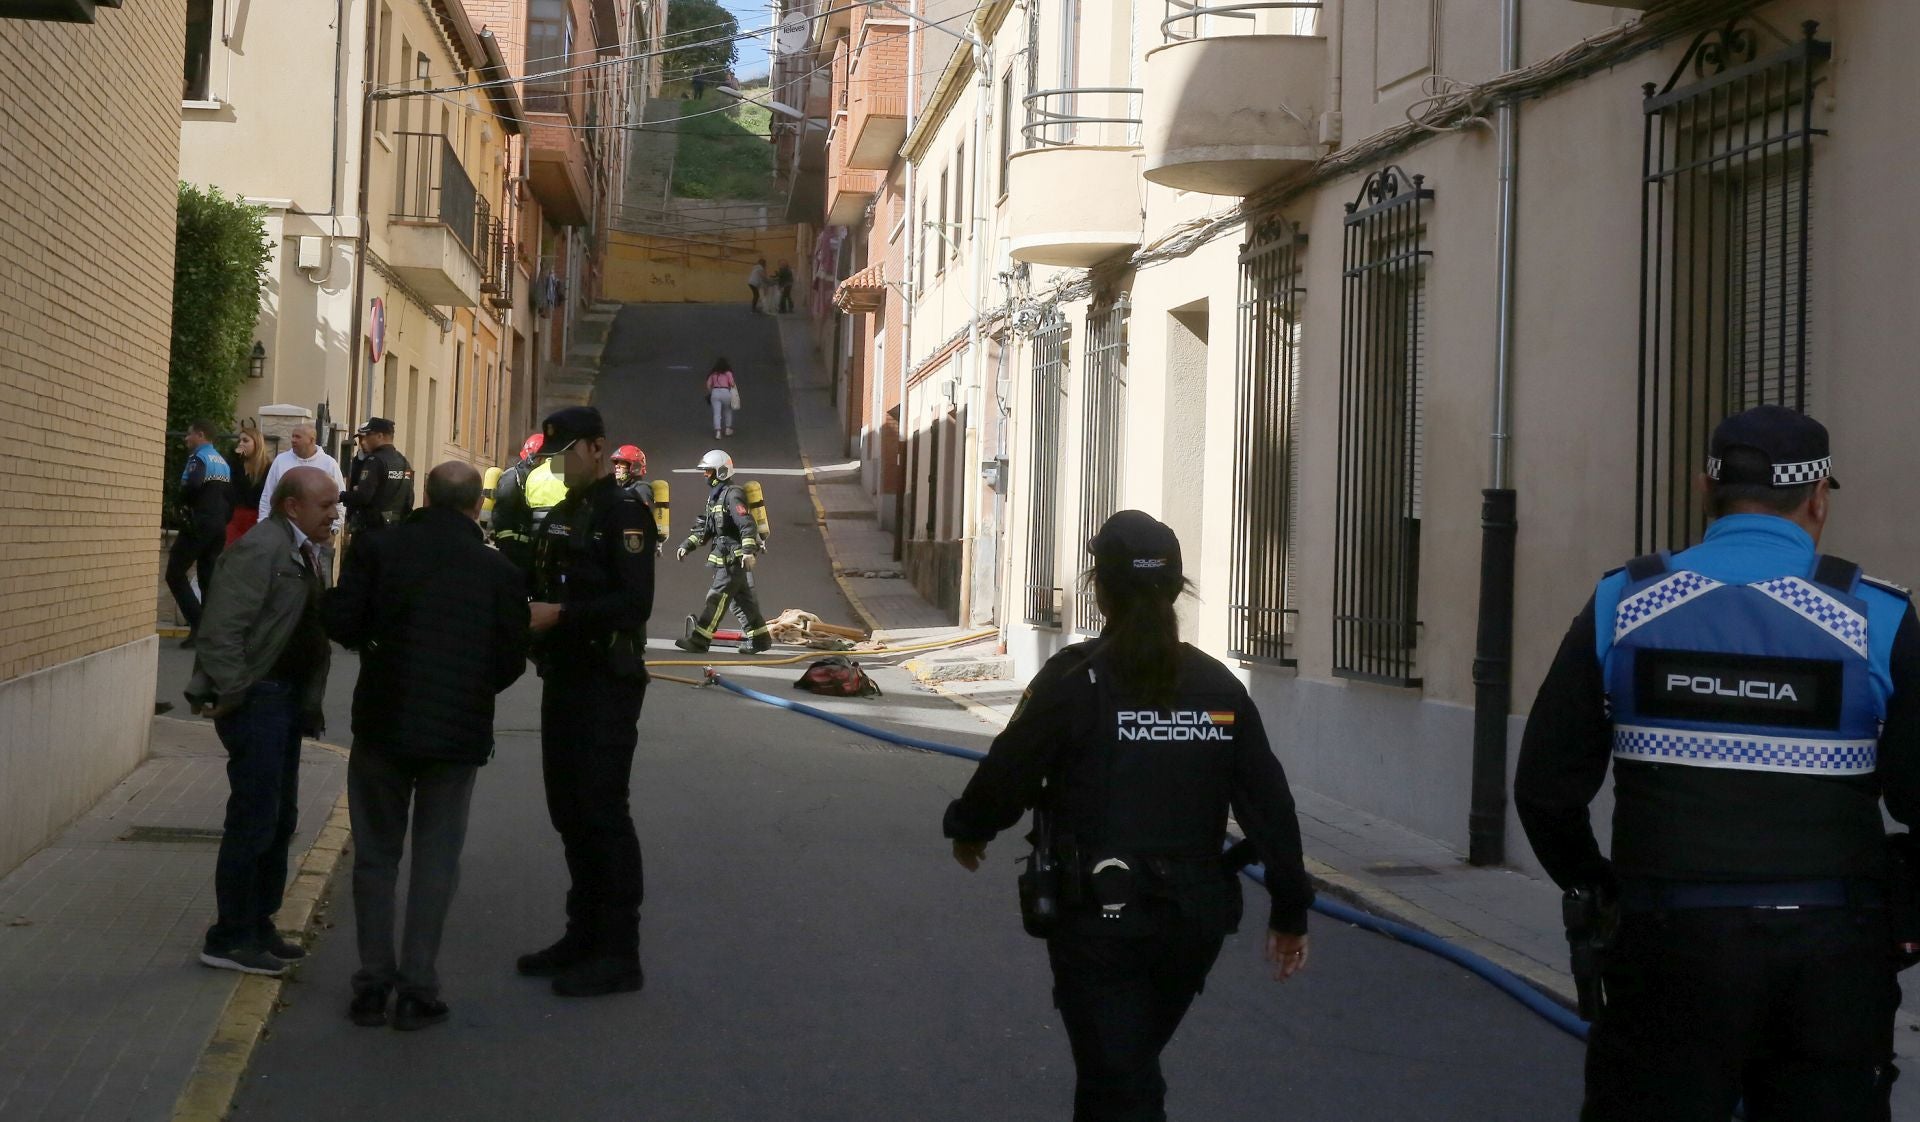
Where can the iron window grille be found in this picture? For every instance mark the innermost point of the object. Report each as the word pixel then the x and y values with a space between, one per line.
pixel 1726 180
pixel 1049 386
pixel 1102 429
pixel 1262 610
pixel 1379 489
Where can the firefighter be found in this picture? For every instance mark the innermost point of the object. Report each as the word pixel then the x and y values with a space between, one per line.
pixel 727 527
pixel 521 498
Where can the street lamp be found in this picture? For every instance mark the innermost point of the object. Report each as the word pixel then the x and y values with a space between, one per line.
pixel 257 363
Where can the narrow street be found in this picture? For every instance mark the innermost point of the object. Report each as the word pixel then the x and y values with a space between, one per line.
pixel 812 952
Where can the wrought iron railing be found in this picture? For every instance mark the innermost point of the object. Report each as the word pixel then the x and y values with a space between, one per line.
pixel 1724 277
pixel 1043 516
pixel 1082 115
pixel 1103 424
pixel 498 283
pixel 1376 557
pixel 1191 19
pixel 433 187
pixel 1262 608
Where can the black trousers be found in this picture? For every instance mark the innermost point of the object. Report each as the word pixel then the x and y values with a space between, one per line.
pixel 193 551
pixel 382 788
pixel 262 739
pixel 1790 1010
pixel 589 727
pixel 732 588
pixel 1121 997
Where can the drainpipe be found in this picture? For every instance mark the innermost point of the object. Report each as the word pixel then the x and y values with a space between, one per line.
pixel 1493 645
pixel 910 295
pixel 361 241
pixel 975 404
pixel 1333 23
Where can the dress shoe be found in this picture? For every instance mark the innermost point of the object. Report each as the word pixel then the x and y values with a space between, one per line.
pixel 599 976
pixel 369 1008
pixel 413 1012
pixel 551 962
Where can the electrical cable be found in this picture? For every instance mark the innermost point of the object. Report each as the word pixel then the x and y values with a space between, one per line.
pixel 1500 978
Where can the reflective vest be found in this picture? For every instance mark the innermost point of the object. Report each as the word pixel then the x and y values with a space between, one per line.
pixel 544 489
pixel 1745 724
pixel 213 465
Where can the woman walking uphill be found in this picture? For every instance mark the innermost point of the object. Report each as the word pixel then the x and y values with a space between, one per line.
pixel 721 389
pixel 1131 748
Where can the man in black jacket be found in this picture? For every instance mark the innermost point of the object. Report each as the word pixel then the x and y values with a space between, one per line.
pixel 441 624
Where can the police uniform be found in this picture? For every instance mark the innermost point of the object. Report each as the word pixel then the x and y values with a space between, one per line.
pixel 206 501
pixel 381 492
pixel 1756 700
pixel 594 556
pixel 1136 799
pixel 727 527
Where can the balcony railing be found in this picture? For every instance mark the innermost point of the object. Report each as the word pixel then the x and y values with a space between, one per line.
pixel 1196 20
pixel 1090 115
pixel 499 264
pixel 433 187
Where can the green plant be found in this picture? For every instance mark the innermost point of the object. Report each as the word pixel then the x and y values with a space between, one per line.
pixel 699 40
pixel 220 260
pixel 723 155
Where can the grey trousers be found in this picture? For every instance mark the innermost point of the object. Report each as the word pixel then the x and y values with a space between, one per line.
pixel 380 785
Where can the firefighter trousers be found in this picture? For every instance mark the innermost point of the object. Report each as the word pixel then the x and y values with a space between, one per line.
pixel 732 588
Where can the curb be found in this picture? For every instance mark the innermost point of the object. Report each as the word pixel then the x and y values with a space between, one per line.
pixel 215 1081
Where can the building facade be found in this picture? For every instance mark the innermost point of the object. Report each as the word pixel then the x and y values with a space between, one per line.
pixel 1439 285
pixel 86 310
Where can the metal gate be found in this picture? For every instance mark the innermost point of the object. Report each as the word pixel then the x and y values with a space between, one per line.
pixel 1049 371
pixel 1103 428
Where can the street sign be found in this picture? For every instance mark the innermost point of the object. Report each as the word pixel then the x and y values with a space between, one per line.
pixel 377 330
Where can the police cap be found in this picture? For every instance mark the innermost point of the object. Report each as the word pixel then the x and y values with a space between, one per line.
pixel 1793 444
pixel 1136 547
pixel 564 426
pixel 374 425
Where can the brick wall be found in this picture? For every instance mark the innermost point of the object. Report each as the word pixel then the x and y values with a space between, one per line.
pixel 89 154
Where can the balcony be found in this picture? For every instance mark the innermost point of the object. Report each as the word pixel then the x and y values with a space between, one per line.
pixel 1073 197
pixel 849 189
pixel 1207 126
pixel 437 240
pixel 497 282
pixel 877 98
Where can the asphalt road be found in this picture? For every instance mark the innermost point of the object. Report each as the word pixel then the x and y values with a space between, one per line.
pixel 812 952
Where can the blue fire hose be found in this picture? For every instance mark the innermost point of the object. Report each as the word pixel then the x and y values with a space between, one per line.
pixel 1504 980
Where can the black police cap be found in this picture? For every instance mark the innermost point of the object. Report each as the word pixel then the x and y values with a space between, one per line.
pixel 564 426
pixel 374 425
pixel 1135 546
pixel 1794 445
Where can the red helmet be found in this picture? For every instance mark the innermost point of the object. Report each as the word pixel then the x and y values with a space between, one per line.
pixel 629 454
pixel 532 446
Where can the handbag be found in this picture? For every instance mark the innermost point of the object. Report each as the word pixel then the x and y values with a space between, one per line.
pixel 734 394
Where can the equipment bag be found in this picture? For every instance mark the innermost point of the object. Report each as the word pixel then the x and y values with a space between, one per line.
pixel 837 676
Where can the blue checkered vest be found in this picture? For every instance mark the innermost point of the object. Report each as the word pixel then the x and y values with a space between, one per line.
pixel 1745 724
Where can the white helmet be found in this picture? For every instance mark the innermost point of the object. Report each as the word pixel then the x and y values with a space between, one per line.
pixel 719 463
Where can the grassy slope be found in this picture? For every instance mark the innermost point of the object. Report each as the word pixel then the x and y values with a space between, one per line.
pixel 723 155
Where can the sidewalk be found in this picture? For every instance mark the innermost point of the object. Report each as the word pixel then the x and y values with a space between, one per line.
pixel 105 1011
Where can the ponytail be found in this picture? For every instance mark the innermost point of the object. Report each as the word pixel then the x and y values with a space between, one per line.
pixel 1142 637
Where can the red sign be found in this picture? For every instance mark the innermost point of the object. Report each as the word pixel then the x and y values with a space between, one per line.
pixel 377 330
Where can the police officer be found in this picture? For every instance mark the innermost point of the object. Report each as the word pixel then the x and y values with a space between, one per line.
pixel 513 521
pixel 728 526
pixel 381 490
pixel 1756 699
pixel 593 592
pixel 206 502
pixel 1132 747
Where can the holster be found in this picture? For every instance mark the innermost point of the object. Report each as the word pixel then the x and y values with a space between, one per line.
pixel 1039 885
pixel 626 656
pixel 1592 923
pixel 1903 898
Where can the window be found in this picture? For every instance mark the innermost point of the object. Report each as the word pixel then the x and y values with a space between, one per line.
pixel 383 66
pixel 1262 609
pixel 459 356
pixel 1049 386
pixel 1376 556
pixel 197 84
pixel 926 235
pixel 941 230
pixel 1006 127
pixel 1725 264
pixel 1103 425
pixel 960 186
pixel 549 48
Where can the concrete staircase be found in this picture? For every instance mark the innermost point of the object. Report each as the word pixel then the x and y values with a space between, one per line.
pixel 571 383
pixel 649 175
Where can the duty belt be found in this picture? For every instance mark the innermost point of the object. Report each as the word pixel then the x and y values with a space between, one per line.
pixel 1661 896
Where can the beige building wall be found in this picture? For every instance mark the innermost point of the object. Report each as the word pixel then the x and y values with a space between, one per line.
pixel 85 315
pixel 1405 752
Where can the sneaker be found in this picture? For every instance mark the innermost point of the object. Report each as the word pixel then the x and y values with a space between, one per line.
pixel 687 644
pixel 284 948
pixel 247 960
pixel 369 1008
pixel 414 1012
pixel 600 976
pixel 550 962
pixel 716 434
pixel 729 432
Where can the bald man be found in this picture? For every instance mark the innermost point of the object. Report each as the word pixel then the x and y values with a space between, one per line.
pixel 304 451
pixel 440 620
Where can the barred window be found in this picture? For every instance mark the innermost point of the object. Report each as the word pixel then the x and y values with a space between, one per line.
pixel 1103 421
pixel 1382 429
pixel 1049 374
pixel 1725 256
pixel 1262 609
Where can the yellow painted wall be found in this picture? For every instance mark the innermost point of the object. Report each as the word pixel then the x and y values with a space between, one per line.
pixel 653 269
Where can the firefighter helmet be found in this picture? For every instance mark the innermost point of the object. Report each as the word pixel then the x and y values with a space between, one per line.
pixel 632 456
pixel 719 463
pixel 532 447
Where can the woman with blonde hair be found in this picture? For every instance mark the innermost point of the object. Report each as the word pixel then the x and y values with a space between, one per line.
pixel 251 460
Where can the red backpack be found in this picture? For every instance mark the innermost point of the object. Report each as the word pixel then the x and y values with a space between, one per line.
pixel 837 676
